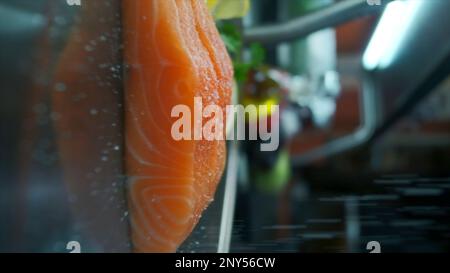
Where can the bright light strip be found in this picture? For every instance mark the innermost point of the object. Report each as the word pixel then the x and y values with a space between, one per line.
pixel 390 33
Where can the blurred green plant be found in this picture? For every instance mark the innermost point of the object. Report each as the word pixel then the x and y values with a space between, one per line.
pixel 228 9
pixel 232 38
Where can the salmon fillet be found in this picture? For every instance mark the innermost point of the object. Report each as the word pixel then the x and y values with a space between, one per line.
pixel 87 98
pixel 173 53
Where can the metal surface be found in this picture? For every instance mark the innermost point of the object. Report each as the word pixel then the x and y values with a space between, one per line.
pixel 226 223
pixel 421 64
pixel 14 21
pixel 331 16
pixel 360 136
pixel 401 90
pixel 418 95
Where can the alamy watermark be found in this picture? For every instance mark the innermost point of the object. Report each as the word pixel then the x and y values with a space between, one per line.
pixel 374 2
pixel 74 247
pixel 189 124
pixel 374 247
pixel 73 2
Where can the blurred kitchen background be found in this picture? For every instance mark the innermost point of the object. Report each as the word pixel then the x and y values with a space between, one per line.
pixel 370 161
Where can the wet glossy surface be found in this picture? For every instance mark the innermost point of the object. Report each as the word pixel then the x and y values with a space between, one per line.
pixel 407 214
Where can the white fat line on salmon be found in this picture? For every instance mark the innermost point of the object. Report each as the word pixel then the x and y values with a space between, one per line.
pixel 261 120
pixel 192 263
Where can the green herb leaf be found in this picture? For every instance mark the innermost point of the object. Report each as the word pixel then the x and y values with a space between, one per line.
pixel 257 54
pixel 241 71
pixel 231 44
pixel 233 41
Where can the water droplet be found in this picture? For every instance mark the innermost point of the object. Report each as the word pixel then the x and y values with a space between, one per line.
pixel 40 108
pixel 55 116
pixel 73 198
pixel 60 87
pixel 60 20
pixel 89 48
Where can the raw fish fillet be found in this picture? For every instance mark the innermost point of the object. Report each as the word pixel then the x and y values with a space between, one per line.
pixel 173 53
